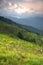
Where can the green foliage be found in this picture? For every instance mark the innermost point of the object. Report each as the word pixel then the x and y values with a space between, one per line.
pixel 19 47
pixel 20 35
pixel 15 30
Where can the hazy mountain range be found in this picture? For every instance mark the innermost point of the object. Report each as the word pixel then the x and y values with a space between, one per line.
pixel 31 24
pixel 34 21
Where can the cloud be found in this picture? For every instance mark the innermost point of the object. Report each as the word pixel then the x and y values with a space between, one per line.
pixel 21 6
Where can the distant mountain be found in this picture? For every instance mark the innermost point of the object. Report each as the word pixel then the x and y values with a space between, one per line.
pixel 34 21
pixel 26 27
pixel 6 20
pixel 32 29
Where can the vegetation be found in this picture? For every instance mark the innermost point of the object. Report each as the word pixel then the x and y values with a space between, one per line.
pixel 19 47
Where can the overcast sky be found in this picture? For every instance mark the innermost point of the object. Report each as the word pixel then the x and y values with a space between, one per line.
pixel 18 8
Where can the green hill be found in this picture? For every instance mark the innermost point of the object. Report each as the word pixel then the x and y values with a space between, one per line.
pixel 18 46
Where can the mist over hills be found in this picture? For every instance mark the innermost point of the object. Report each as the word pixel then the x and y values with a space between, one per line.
pixel 30 26
pixel 35 21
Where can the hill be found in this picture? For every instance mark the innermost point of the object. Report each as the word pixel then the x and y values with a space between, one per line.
pixel 18 46
pixel 33 23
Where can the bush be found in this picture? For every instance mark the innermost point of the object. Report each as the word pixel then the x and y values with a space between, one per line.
pixel 20 35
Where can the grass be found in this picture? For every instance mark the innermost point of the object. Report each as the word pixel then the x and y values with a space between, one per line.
pixel 16 51
pixel 19 52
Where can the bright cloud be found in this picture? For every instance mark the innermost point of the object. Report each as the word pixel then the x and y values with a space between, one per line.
pixel 21 6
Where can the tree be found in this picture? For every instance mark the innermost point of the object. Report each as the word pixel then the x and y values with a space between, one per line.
pixel 20 35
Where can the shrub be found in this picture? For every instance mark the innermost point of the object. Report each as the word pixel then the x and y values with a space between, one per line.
pixel 20 35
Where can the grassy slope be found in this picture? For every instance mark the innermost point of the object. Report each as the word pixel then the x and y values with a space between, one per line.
pixel 16 51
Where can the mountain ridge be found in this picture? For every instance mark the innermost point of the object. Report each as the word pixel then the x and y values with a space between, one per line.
pixel 28 28
pixel 34 21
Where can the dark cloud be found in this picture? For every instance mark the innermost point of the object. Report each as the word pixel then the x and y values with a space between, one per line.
pixel 1 1
pixel 19 1
pixel 35 1
pixel 24 0
pixel 5 2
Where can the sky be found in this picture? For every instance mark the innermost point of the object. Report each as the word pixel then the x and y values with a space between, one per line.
pixel 19 8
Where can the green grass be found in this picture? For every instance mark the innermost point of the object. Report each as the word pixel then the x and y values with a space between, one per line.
pixel 16 51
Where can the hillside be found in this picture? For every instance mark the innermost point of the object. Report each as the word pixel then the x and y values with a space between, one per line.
pixel 18 46
pixel 38 20
pixel 35 21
